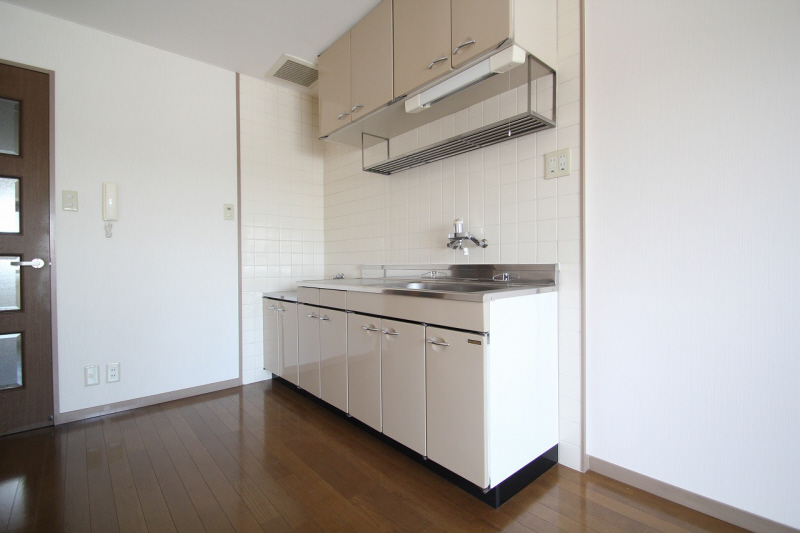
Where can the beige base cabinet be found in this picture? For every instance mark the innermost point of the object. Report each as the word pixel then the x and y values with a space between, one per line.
pixel 403 383
pixel 280 339
pixel 308 348
pixel 364 369
pixel 455 366
pixel 333 357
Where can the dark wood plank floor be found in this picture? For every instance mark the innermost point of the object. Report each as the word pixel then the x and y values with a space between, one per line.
pixel 261 457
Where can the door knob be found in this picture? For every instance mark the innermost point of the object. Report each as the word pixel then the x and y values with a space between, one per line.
pixel 35 263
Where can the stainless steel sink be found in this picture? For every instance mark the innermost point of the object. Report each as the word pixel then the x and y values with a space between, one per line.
pixel 450 286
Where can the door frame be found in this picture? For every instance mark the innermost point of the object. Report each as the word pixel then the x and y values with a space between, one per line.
pixel 51 75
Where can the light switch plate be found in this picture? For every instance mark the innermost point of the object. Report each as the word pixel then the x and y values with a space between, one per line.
pixel 112 372
pixel 69 200
pixel 91 375
pixel 557 164
pixel 228 211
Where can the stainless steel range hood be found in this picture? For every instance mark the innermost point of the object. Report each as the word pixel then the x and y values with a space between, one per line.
pixel 377 133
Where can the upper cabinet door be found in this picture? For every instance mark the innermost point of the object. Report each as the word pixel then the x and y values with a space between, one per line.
pixel 478 26
pixel 421 43
pixel 371 61
pixel 334 86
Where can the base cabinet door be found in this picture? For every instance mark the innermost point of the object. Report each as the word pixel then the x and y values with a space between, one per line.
pixel 272 345
pixel 308 348
pixel 364 369
pixel 287 326
pixel 403 383
pixel 455 368
pixel 333 357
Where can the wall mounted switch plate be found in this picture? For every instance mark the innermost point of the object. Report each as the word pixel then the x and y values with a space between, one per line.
pixel 228 211
pixel 91 375
pixel 112 372
pixel 69 200
pixel 557 164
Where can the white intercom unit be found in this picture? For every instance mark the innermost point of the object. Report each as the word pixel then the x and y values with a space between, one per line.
pixel 110 205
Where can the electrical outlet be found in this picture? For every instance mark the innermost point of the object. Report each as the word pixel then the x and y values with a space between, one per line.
pixel 91 375
pixel 557 164
pixel 112 372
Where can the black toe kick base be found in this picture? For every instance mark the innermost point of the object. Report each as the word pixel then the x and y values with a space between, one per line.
pixel 495 497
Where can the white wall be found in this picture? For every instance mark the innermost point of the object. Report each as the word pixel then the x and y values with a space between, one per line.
pixel 501 194
pixel 692 239
pixel 282 238
pixel 160 296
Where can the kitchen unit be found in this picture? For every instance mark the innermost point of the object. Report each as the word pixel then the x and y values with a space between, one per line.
pixel 280 335
pixel 458 368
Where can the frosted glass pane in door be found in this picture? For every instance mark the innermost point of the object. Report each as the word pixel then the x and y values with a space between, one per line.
pixel 9 126
pixel 10 361
pixel 9 284
pixel 9 205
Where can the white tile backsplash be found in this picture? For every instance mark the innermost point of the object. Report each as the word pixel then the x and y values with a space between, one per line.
pixel 282 203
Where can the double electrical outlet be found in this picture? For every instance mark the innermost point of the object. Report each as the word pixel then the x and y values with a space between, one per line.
pixel 91 374
pixel 557 164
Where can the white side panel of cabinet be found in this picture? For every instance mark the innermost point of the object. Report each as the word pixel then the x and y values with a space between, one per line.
pixel 288 341
pixel 271 337
pixel 308 352
pixel 364 369
pixel 403 383
pixel 333 357
pixel 523 382
pixel 456 403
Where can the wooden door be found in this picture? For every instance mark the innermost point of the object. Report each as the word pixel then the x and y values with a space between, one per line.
pixel 333 357
pixel 403 383
pixel 308 348
pixel 486 23
pixel 334 86
pixel 287 323
pixel 26 365
pixel 455 370
pixel 371 63
pixel 421 43
pixel 364 369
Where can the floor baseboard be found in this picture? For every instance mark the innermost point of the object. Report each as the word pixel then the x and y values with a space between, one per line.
pixel 689 499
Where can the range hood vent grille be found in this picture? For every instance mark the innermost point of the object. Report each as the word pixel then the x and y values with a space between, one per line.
pixel 294 70
pixel 503 130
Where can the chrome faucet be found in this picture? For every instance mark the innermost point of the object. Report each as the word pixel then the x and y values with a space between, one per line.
pixel 457 237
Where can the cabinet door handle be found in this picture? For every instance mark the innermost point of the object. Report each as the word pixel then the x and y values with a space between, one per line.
pixel 323 318
pixel 272 307
pixel 312 315
pixel 341 116
pixel 367 328
pixel 431 341
pixel 357 106
pixel 387 332
pixel 280 309
pixel 445 58
pixel 462 45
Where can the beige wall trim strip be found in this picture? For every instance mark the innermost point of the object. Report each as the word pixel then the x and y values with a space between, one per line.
pixel 127 405
pixel 691 500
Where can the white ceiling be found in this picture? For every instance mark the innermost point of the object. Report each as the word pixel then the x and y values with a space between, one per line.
pixel 245 36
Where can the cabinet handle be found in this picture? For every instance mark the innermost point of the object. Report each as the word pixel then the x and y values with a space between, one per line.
pixel 462 45
pixel 387 332
pixel 312 315
pixel 436 61
pixel 279 309
pixel 367 328
pixel 431 341
pixel 272 307
pixel 341 116
pixel 323 318
pixel 357 106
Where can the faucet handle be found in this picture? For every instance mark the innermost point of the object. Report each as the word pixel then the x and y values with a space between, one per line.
pixel 504 276
pixel 433 274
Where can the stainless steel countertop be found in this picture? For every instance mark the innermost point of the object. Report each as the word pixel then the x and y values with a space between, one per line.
pixel 289 296
pixel 447 289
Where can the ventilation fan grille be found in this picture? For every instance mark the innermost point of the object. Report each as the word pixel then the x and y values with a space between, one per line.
pixel 295 72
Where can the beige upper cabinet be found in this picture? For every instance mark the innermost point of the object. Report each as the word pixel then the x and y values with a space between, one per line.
pixel 421 43
pixel 478 26
pixel 371 61
pixel 334 86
